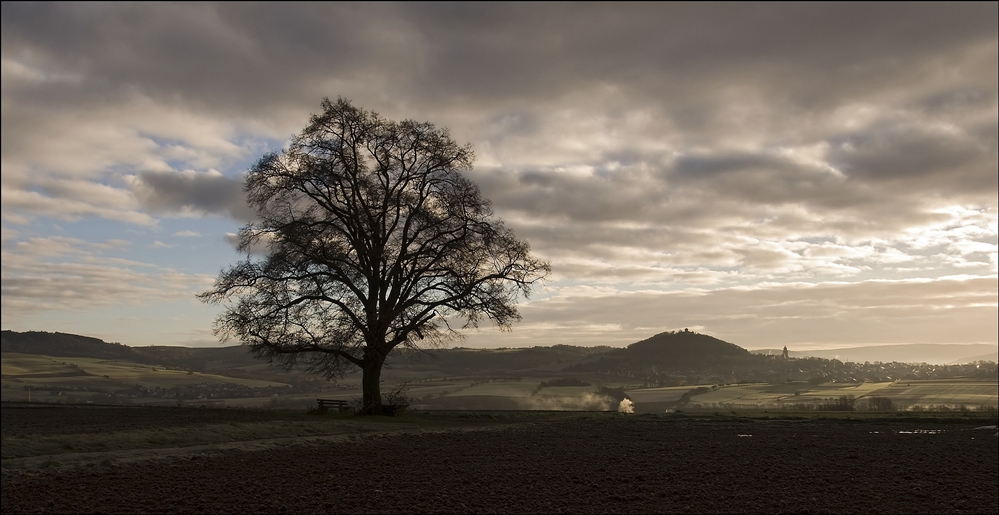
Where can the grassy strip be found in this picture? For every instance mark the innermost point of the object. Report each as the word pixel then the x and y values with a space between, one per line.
pixel 89 449
pixel 36 445
pixel 20 446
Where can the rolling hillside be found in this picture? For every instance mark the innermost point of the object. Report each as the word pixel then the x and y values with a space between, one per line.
pixel 658 371
pixel 72 345
pixel 668 350
pixel 62 344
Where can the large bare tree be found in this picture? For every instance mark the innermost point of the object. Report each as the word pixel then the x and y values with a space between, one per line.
pixel 374 239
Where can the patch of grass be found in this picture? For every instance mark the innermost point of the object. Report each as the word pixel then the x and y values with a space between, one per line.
pixel 34 450
pixel 956 392
pixel 48 371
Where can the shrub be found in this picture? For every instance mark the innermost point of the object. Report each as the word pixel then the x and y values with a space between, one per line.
pixel 880 403
pixel 564 382
pixel 397 396
pixel 844 403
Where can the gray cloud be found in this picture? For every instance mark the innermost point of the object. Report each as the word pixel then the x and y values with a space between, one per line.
pixel 764 179
pixel 659 145
pixel 37 277
pixel 870 312
pixel 241 56
pixel 908 152
pixel 204 192
pixel 674 46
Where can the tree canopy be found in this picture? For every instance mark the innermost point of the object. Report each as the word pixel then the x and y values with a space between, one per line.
pixel 372 238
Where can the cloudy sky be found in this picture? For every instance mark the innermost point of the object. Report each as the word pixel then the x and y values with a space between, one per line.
pixel 811 175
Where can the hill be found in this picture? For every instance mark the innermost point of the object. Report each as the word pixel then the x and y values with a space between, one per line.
pixel 200 358
pixel 677 351
pixel 76 346
pixel 665 359
pixel 58 367
pixel 989 356
pixel 456 361
pixel 62 344
pixel 682 348
pixel 505 361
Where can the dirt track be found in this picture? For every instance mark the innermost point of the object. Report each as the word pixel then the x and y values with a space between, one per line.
pixel 613 464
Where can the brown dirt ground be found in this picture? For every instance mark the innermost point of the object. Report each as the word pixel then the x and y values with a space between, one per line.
pixel 612 464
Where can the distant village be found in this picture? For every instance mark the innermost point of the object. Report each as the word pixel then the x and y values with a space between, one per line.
pixel 780 368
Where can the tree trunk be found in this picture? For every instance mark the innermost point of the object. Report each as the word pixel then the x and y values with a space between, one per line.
pixel 371 385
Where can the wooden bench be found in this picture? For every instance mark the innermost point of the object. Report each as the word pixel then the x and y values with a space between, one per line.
pixel 326 404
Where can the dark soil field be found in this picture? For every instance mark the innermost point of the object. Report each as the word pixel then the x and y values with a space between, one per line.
pixel 41 419
pixel 605 463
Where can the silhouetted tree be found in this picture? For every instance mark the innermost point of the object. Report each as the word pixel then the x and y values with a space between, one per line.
pixel 374 240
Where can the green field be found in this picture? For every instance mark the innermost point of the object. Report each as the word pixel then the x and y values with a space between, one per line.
pixel 469 387
pixel 120 446
pixel 752 394
pixel 944 392
pixel 81 380
pixel 435 388
pixel 658 395
pixel 36 369
pixel 514 394
pixel 905 394
pixel 39 378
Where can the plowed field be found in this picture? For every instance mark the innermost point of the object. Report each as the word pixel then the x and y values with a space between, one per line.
pixel 602 464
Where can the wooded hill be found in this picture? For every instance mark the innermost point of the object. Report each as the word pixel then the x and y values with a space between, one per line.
pixel 72 345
